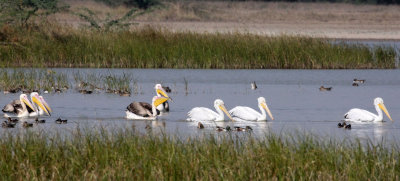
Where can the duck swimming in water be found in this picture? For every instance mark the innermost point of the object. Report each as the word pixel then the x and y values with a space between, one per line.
pixel 358 81
pixel 322 88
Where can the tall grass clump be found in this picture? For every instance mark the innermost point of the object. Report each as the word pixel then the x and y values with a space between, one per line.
pixel 147 47
pixel 126 154
pixel 32 80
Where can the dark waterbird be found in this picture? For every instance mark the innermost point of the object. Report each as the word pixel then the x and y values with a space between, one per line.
pixel 7 124
pixel 26 124
pixel 347 126
pixel 12 120
pixel 322 88
pixel 37 120
pixel 355 84
pixel 253 85
pixel 84 91
pixel 200 126
pixel 358 81
pixel 167 89
pixel 61 121
pixel 341 125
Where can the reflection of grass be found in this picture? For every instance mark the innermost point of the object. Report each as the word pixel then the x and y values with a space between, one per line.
pixel 32 80
pixel 153 48
pixel 126 154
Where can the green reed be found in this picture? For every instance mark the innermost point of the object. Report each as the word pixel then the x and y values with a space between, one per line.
pixel 126 154
pixel 32 80
pixel 54 46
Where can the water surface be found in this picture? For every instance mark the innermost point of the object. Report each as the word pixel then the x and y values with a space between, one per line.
pixel 292 95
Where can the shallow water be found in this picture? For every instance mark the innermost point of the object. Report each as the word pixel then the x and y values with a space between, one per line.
pixel 292 95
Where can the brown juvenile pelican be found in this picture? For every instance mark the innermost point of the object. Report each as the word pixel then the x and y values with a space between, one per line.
pixel 143 110
pixel 322 88
pixel 17 108
pixel 164 107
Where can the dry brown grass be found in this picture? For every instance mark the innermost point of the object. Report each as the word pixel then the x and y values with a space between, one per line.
pixel 331 20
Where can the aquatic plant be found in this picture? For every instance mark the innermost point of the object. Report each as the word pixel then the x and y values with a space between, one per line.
pixel 14 81
pixel 54 46
pixel 127 154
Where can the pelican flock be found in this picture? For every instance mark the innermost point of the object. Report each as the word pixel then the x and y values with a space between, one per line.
pixel 25 108
pixel 242 113
pixel 361 115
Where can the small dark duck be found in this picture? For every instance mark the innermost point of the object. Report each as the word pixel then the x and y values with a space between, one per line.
pixel 200 126
pixel 358 81
pixel 253 85
pixel 7 124
pixel 322 88
pixel 61 121
pixel 26 124
pixel 37 120
pixel 355 84
pixel 12 120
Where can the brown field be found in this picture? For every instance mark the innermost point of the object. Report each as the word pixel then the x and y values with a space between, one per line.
pixel 327 20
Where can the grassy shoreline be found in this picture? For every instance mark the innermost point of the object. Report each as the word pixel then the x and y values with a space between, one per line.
pixel 55 46
pixel 127 154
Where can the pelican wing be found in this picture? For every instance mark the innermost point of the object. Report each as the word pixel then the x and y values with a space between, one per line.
pixel 201 114
pixel 244 113
pixel 359 115
pixel 140 109
pixel 12 107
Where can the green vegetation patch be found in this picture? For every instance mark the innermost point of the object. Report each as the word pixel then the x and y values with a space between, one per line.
pixel 54 46
pixel 126 154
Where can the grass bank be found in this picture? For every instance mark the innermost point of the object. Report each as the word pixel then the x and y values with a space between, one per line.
pixel 55 46
pixel 129 155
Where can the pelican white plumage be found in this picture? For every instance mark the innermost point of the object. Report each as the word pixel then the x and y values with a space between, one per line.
pixel 17 108
pixel 206 114
pixel 40 105
pixel 242 113
pixel 164 107
pixel 143 110
pixel 362 115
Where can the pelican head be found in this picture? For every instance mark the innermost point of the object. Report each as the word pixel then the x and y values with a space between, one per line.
pixel 160 91
pixel 379 102
pixel 24 98
pixel 36 99
pixel 219 105
pixel 263 104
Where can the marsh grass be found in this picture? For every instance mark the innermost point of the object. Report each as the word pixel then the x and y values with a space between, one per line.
pixel 126 154
pixel 32 80
pixel 118 84
pixel 54 46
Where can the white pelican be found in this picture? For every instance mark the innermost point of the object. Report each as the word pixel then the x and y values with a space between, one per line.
pixel 40 105
pixel 17 108
pixel 164 107
pixel 366 116
pixel 205 114
pixel 241 113
pixel 143 110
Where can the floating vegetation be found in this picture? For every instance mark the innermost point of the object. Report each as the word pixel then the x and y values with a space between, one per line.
pixel 155 48
pixel 14 81
pixel 114 155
